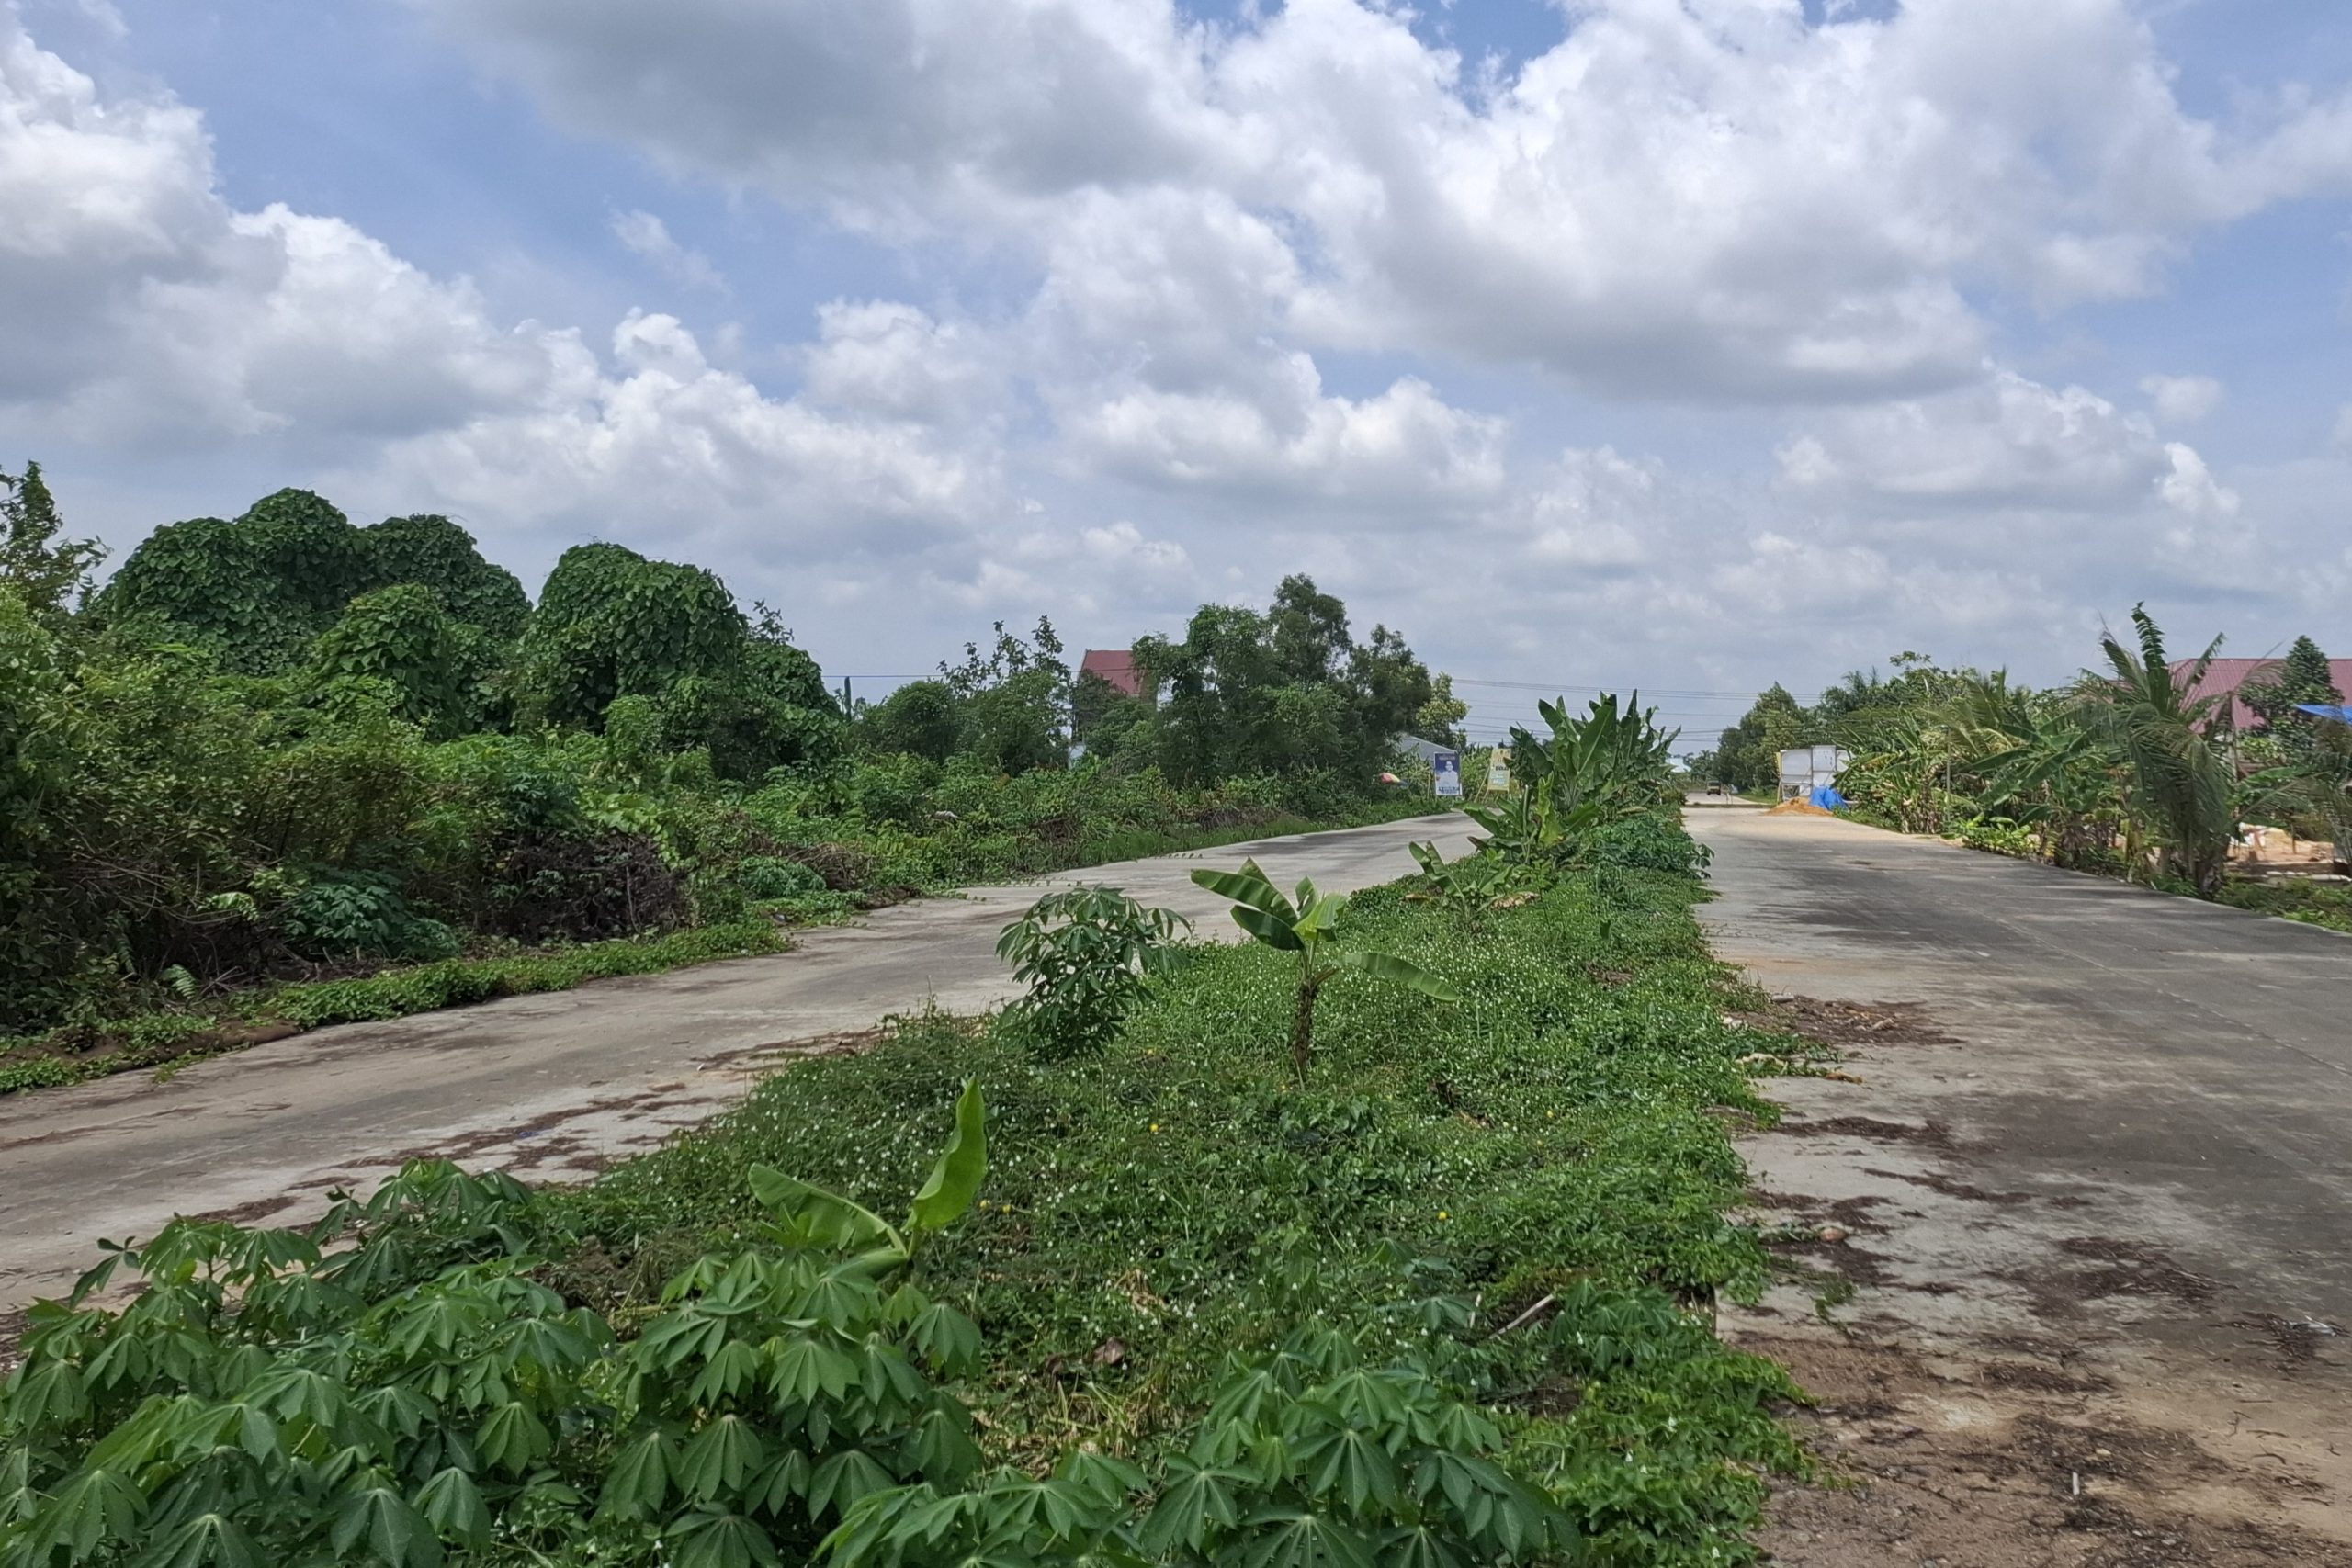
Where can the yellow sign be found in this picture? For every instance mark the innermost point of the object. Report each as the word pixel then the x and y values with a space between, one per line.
pixel 1499 772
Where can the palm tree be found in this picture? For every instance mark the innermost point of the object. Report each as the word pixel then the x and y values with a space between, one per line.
pixel 2178 777
pixel 2041 765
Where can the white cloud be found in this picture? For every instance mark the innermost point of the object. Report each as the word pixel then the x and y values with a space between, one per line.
pixel 1227 282
pixel 644 235
pixel 2182 400
pixel 672 443
pixel 2190 489
pixel 2006 441
pixel 1400 451
pixel 883 357
pixel 1595 511
pixel 1717 198
pixel 140 306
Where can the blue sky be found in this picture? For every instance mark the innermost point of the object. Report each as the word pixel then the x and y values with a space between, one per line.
pixel 1691 343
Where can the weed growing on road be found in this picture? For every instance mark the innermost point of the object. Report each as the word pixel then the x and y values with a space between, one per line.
pixel 1447 1304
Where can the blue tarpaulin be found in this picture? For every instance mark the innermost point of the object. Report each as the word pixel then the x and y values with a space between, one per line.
pixel 2327 710
pixel 1826 797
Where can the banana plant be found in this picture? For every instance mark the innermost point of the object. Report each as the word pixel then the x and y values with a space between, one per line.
pixel 1471 886
pixel 1304 923
pixel 807 1215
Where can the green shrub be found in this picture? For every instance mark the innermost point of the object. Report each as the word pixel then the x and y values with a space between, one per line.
pixel 2000 836
pixel 361 913
pixel 1653 843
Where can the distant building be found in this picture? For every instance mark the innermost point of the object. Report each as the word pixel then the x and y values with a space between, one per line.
pixel 1115 665
pixel 2228 677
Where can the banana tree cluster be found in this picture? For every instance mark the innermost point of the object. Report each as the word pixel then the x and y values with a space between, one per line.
pixel 1587 772
pixel 1304 923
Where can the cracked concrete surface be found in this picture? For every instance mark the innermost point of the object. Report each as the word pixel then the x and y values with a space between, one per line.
pixel 2097 1205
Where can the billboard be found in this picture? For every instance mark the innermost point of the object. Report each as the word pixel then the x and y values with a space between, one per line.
pixel 1447 767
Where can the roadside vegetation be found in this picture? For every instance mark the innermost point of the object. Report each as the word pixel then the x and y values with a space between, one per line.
pixel 2124 772
pixel 1157 1296
pixel 284 770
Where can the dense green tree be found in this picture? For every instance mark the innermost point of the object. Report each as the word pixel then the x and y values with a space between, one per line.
pixel 1287 691
pixel 1440 718
pixel 2276 695
pixel 920 719
pixel 47 573
pixel 39 742
pixel 1747 754
pixel 1013 701
pixel 612 623
pixel 435 553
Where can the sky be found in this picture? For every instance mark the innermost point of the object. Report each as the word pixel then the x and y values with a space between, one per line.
pixel 1679 344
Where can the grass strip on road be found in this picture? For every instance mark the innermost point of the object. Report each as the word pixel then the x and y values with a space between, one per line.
pixel 1558 1135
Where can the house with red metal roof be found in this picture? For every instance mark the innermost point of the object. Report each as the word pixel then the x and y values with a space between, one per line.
pixel 2230 677
pixel 1115 665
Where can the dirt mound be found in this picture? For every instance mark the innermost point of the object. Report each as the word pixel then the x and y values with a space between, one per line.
pixel 1799 809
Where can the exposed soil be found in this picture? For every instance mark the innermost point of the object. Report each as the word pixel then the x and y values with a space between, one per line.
pixel 1847 1023
pixel 1930 1134
pixel 2003 1380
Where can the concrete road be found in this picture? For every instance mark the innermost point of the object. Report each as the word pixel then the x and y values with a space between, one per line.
pixel 2090 1181
pixel 552 1085
pixel 2201 1052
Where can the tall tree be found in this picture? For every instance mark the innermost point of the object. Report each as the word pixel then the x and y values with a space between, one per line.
pixel 45 571
pixel 1440 718
pixel 1288 692
pixel 2278 694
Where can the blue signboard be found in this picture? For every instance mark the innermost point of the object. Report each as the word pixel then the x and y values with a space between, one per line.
pixel 1447 765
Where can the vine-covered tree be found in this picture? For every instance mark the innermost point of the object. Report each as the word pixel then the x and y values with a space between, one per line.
pixel 612 623
pixel 255 591
pixel 425 664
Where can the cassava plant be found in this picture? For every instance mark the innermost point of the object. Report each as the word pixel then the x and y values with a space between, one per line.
pixel 1304 923
pixel 396 1383
pixel 1086 954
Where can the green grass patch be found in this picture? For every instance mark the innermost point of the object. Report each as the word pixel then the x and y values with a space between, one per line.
pixel 1554 1141
pixel 78 1053
pixel 2327 903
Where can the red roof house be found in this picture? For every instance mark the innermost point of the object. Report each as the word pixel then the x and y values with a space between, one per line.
pixel 1116 665
pixel 2228 676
